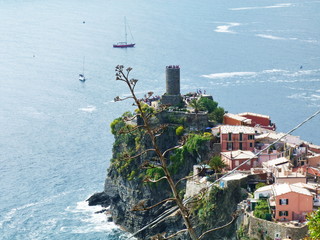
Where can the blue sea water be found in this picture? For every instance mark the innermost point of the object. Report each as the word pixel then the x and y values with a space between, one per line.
pixel 55 142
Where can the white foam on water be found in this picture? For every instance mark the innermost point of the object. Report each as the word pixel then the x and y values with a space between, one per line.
pixel 274 71
pixel 89 108
pixel 228 75
pixel 226 28
pixel 270 37
pixel 299 96
pixel 279 5
pixel 302 73
pixel 94 222
pixel 9 215
pixel 315 97
pixel 280 72
pixel 310 41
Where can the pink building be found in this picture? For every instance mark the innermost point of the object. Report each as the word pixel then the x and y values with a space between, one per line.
pixel 236 138
pixel 234 158
pixel 291 202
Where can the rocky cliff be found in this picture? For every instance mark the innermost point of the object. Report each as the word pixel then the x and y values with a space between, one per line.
pixel 124 187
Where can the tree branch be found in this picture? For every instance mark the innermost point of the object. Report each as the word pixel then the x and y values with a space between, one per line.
pixel 170 149
pixel 121 131
pixel 215 229
pixel 143 152
pixel 177 233
pixel 141 204
pixel 148 179
pixel 188 177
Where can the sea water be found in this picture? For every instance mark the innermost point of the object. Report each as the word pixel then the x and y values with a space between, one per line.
pixel 257 56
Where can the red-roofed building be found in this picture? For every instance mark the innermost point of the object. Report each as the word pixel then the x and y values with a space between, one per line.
pixel 249 119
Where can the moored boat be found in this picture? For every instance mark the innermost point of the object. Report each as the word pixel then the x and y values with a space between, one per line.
pixel 125 44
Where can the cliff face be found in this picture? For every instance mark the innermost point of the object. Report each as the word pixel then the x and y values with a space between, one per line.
pixel 124 187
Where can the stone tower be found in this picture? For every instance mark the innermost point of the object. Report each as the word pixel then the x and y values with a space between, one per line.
pixel 172 95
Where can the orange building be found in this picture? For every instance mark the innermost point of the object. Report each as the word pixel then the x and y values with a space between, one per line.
pixel 234 119
pixel 249 119
pixel 291 202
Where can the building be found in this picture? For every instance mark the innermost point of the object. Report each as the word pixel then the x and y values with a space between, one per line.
pixel 249 119
pixel 291 202
pixel 237 138
pixel 314 148
pixel 259 120
pixel 235 158
pixel 281 170
pixel 287 201
pixel 236 120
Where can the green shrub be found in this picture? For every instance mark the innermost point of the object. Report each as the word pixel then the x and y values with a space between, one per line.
pixel 204 208
pixel 259 185
pixel 155 173
pixel 179 130
pixel 207 104
pixel 262 209
pixel 116 125
pixel 195 142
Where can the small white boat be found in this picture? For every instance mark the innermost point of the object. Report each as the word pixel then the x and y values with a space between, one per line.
pixel 81 75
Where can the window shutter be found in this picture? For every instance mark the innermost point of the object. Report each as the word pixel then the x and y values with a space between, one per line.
pixel 280 201
pixel 287 201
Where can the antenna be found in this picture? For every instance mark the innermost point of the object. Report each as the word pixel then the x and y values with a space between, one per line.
pixel 83 65
pixel 125 28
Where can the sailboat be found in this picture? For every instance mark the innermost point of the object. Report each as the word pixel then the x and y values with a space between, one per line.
pixel 124 44
pixel 81 75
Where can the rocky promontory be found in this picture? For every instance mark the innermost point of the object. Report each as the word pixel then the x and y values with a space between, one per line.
pixel 125 188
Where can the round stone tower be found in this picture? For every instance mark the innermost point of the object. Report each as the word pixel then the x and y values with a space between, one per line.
pixel 173 80
pixel 172 95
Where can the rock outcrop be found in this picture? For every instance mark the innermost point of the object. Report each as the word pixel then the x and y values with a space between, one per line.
pixel 125 190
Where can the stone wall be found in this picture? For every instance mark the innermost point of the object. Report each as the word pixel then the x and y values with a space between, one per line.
pixel 190 120
pixel 194 187
pixel 262 229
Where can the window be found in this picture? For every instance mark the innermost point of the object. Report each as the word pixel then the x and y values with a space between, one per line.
pixel 251 137
pixel 236 163
pixel 240 146
pixel 240 136
pixel 229 136
pixel 229 146
pixel 283 201
pixel 283 213
pixel 251 145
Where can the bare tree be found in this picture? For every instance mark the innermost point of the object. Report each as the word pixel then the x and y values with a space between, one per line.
pixel 154 132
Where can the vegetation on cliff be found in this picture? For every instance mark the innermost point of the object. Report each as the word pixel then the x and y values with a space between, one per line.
pixel 314 225
pixel 152 157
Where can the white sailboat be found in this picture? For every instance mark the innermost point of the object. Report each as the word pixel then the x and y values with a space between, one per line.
pixel 82 78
